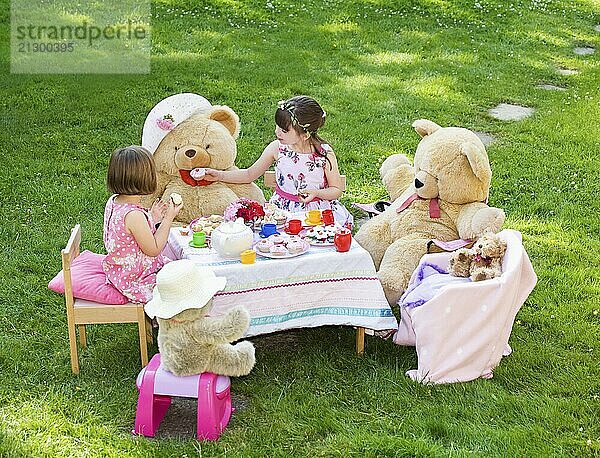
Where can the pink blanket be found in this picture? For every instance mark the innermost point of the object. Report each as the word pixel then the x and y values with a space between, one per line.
pixel 462 332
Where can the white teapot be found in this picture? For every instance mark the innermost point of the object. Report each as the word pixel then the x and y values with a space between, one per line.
pixel 230 238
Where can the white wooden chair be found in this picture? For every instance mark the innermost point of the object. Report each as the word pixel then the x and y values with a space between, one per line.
pixel 81 312
pixel 269 180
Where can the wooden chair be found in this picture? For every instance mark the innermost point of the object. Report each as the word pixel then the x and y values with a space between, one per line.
pixel 81 312
pixel 269 179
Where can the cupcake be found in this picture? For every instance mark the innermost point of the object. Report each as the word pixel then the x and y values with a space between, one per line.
pixel 321 236
pixel 264 246
pixel 330 233
pixel 278 250
pixel 280 218
pixel 269 219
pixel 295 246
pixel 276 239
pixel 294 238
pixel 198 226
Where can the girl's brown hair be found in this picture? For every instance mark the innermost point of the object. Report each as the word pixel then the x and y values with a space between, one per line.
pixel 304 115
pixel 131 171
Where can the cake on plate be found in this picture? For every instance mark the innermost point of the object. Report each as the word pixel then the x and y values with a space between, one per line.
pixel 278 250
pixel 264 246
pixel 295 246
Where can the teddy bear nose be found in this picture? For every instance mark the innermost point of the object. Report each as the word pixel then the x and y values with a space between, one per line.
pixel 418 184
pixel 190 153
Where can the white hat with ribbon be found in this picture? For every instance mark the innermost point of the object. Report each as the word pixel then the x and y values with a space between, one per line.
pixel 182 285
pixel 167 114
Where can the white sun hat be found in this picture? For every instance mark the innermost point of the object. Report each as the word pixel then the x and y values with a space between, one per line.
pixel 167 114
pixel 182 285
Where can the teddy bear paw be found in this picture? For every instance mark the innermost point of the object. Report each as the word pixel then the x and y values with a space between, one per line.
pixel 489 219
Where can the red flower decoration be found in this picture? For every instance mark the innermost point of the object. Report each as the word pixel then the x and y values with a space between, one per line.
pixel 244 208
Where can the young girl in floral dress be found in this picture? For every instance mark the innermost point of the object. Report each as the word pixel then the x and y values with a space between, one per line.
pixel 306 169
pixel 133 243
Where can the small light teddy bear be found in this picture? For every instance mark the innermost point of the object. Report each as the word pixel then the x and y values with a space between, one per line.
pixel 189 341
pixel 481 262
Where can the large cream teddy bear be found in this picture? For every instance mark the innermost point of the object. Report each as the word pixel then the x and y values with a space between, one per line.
pixel 187 134
pixel 189 341
pixel 443 196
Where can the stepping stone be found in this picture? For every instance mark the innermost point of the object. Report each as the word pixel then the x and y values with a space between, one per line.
pixel 508 112
pixel 584 50
pixel 550 87
pixel 486 139
pixel 567 71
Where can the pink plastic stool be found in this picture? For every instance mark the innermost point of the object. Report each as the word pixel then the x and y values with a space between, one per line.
pixel 156 386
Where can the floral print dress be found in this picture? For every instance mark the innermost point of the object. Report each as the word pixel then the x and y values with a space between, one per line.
pixel 295 172
pixel 127 267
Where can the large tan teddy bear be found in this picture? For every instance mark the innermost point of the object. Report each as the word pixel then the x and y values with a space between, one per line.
pixel 186 135
pixel 441 197
pixel 189 341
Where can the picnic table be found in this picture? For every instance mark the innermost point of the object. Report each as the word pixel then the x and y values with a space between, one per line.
pixel 317 288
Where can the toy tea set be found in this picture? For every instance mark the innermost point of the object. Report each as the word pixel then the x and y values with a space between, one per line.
pixel 281 234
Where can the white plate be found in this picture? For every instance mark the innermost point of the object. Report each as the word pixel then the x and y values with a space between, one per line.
pixel 286 256
pixel 315 242
pixel 195 220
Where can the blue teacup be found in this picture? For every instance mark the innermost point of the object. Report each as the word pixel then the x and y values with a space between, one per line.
pixel 268 229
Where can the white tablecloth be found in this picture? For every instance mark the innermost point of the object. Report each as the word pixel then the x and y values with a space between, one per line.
pixel 319 287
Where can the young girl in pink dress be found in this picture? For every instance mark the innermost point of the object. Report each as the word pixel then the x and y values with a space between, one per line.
pixel 306 169
pixel 133 243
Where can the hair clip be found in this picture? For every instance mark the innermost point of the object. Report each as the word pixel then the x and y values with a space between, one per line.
pixel 324 114
pixel 282 105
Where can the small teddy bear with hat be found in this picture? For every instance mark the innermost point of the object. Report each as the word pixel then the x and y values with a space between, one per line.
pixel 189 341
pixel 481 262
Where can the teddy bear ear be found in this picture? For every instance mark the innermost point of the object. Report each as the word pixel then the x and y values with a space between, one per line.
pixel 425 127
pixel 226 116
pixel 478 160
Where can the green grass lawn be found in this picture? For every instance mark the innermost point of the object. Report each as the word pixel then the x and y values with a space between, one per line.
pixel 375 66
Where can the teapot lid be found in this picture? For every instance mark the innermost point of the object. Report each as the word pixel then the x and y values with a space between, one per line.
pixel 233 227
